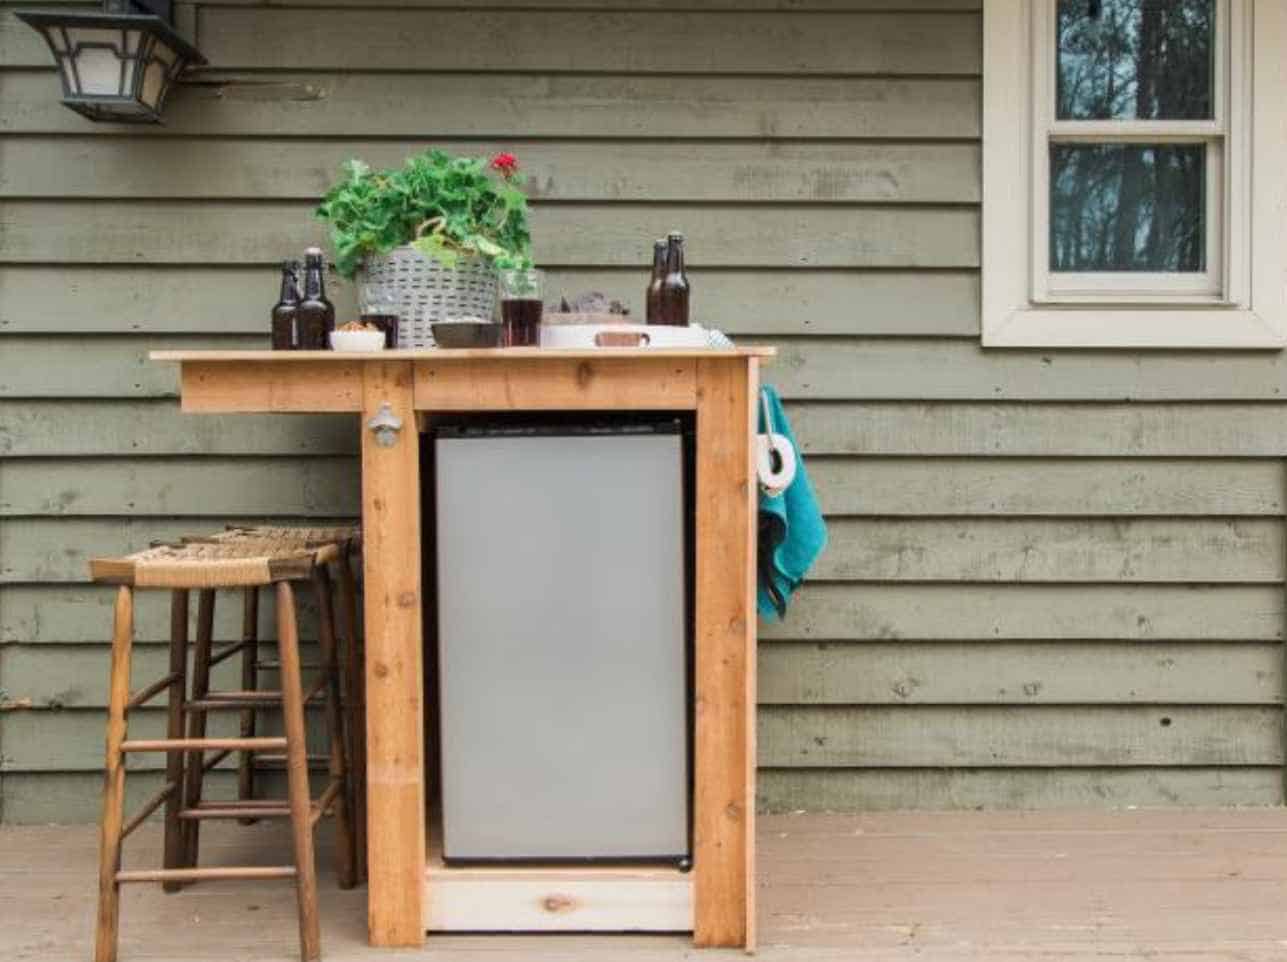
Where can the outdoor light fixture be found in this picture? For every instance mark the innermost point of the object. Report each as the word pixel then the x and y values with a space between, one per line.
pixel 117 64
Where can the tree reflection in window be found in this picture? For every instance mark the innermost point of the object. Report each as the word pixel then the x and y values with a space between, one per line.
pixel 1134 59
pixel 1127 207
pixel 1136 206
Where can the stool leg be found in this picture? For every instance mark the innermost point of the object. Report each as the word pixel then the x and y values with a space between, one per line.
pixel 310 939
pixel 197 722
pixel 109 859
pixel 355 716
pixel 346 862
pixel 174 761
pixel 249 682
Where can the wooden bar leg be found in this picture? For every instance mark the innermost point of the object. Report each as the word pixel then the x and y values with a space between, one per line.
pixel 174 761
pixel 724 749
pixel 197 722
pixel 109 857
pixel 394 662
pixel 355 700
pixel 345 857
pixel 249 682
pixel 310 939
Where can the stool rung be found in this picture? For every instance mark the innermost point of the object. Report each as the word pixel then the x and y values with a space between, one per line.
pixel 226 700
pixel 233 810
pixel 205 874
pixel 151 806
pixel 227 652
pixel 213 760
pixel 276 666
pixel 151 691
pixel 325 801
pixel 257 696
pixel 274 761
pixel 201 744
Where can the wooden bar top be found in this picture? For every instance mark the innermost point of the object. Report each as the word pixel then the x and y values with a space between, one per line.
pixel 471 354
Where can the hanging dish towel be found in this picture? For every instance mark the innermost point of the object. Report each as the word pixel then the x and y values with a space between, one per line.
pixel 791 531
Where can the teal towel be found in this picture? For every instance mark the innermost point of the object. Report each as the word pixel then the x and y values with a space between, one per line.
pixel 791 531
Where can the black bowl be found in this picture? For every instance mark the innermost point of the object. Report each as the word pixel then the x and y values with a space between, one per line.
pixel 463 334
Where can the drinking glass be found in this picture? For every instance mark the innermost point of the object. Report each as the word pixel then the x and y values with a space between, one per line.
pixel 379 308
pixel 521 293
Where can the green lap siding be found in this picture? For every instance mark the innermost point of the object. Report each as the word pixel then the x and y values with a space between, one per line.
pixel 1055 577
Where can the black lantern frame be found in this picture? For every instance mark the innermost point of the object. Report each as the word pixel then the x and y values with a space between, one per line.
pixel 149 55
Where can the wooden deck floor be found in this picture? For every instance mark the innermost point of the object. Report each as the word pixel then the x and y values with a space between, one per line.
pixel 1051 886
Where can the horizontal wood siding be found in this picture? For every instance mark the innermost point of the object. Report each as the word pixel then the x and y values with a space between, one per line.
pixel 1055 578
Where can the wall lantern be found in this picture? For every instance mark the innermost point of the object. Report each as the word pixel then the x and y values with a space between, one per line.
pixel 117 64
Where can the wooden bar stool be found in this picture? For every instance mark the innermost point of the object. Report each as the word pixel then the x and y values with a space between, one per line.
pixel 346 540
pixel 207 567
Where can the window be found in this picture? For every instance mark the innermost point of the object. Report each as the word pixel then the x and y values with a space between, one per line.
pixel 1125 201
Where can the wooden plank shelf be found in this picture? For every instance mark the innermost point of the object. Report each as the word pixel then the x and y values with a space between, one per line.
pixel 554 898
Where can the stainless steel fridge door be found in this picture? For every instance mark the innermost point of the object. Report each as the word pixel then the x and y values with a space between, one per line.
pixel 562 659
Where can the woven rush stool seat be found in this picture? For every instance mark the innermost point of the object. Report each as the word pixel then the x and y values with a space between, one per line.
pixel 345 538
pixel 213 564
pixel 349 533
pixel 207 567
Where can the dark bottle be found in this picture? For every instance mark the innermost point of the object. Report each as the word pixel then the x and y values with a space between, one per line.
pixel 315 314
pixel 674 286
pixel 285 311
pixel 653 312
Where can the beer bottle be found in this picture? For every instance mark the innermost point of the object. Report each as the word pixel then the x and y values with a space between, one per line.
pixel 653 315
pixel 284 315
pixel 674 286
pixel 315 314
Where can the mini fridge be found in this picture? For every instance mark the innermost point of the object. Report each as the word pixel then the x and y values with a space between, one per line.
pixel 563 655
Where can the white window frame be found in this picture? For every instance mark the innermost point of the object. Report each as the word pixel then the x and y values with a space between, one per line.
pixel 1241 300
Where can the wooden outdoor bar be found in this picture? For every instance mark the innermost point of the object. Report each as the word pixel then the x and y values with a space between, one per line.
pixel 410 890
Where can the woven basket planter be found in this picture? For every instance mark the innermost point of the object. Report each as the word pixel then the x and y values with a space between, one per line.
pixel 429 292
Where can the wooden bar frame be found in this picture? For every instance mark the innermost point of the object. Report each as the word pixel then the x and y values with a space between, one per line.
pixel 720 386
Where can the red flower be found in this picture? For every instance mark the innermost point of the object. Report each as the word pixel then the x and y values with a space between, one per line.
pixel 505 164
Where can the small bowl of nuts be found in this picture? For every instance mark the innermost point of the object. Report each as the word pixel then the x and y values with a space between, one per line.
pixel 357 337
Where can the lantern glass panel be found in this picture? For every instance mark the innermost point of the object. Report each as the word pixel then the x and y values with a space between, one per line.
pixel 133 68
pixel 156 74
pixel 97 61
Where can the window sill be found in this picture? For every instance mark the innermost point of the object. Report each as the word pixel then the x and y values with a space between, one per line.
pixel 1091 301
pixel 1178 328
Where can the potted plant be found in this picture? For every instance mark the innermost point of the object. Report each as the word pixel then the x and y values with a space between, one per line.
pixel 432 233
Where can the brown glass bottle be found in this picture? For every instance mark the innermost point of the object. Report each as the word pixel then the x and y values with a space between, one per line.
pixel 285 312
pixel 315 315
pixel 653 297
pixel 673 300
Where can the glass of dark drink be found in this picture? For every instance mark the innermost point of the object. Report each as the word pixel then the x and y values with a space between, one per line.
pixel 521 293
pixel 379 308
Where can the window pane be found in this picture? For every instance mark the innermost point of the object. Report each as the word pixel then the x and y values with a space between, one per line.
pixel 1134 59
pixel 1128 207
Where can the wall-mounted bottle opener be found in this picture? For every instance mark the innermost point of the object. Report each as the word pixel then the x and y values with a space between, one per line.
pixel 385 425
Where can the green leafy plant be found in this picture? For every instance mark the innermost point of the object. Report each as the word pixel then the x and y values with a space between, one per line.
pixel 446 207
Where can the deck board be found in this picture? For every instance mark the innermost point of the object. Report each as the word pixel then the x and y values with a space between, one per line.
pixel 1059 886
